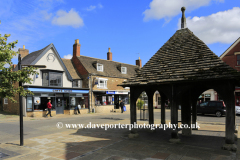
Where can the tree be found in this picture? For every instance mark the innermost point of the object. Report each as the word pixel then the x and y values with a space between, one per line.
pixel 9 78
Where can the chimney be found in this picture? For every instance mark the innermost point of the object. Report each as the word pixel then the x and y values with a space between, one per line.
pixel 109 55
pixel 24 52
pixel 183 20
pixel 76 48
pixel 139 62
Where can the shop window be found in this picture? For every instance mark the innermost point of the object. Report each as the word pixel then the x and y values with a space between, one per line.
pixel 99 67
pixel 5 100
pixel 124 70
pixel 77 83
pixel 52 79
pixel 238 59
pixel 102 83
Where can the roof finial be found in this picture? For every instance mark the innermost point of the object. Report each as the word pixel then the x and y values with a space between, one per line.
pixel 183 20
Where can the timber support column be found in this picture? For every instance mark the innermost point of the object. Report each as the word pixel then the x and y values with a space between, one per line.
pixel 229 100
pixel 186 114
pixel 150 94
pixel 174 116
pixel 134 93
pixel 194 114
pixel 163 117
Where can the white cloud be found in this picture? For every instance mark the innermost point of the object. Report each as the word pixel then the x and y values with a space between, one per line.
pixel 169 8
pixel 69 56
pixel 100 5
pixel 91 8
pixel 71 18
pixel 220 27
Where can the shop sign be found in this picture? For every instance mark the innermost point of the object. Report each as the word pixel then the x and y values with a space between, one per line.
pixel 37 100
pixel 121 92
pixel 79 95
pixel 207 95
pixel 110 92
pixel 62 90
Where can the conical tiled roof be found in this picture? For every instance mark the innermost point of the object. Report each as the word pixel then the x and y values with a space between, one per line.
pixel 184 57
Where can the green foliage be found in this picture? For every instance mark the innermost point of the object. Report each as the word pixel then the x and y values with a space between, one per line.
pixel 9 78
pixel 140 104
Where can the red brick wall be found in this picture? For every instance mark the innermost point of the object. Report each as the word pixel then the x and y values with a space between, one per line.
pixel 230 58
pixel 12 107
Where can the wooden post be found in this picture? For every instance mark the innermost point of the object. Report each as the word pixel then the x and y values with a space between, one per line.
pixel 194 114
pixel 186 114
pixel 174 115
pixel 133 112
pixel 163 117
pixel 230 117
pixel 150 106
pixel 229 99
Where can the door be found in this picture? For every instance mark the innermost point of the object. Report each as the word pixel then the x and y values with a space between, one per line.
pixel 59 105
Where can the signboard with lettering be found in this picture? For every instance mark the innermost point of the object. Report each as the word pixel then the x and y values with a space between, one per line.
pixel 110 92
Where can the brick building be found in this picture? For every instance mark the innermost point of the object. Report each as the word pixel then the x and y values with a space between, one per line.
pixel 232 57
pixel 102 78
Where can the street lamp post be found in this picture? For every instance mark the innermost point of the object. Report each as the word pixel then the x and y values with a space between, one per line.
pixel 20 103
pixel 20 97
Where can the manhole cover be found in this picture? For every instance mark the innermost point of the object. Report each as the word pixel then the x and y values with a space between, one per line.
pixel 2 155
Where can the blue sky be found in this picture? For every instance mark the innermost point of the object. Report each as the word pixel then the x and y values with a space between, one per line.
pixel 131 28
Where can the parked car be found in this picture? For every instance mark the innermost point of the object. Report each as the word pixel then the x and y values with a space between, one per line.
pixel 212 107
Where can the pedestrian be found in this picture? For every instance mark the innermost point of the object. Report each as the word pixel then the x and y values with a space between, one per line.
pixel 76 109
pixel 49 106
pixel 121 105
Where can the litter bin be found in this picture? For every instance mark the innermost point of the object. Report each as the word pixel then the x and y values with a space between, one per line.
pixel 144 114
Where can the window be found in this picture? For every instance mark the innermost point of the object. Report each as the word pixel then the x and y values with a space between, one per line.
pixel 5 100
pixel 52 79
pixel 124 70
pixel 238 59
pixel 102 83
pixel 55 79
pixel 77 83
pixel 99 67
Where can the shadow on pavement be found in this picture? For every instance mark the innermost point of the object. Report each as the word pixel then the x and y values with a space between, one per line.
pixel 115 144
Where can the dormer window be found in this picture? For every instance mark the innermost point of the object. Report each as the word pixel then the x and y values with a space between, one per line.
pixel 124 70
pixel 237 58
pixel 99 67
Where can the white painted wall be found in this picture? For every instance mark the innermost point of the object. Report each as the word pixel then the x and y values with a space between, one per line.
pixel 55 65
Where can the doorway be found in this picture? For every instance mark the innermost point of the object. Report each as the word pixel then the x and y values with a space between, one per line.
pixel 59 105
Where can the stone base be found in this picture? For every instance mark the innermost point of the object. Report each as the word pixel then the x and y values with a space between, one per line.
pixel 133 135
pixel 229 147
pixel 175 140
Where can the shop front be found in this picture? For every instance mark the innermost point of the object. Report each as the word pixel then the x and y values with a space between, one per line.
pixel 63 100
pixel 106 101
